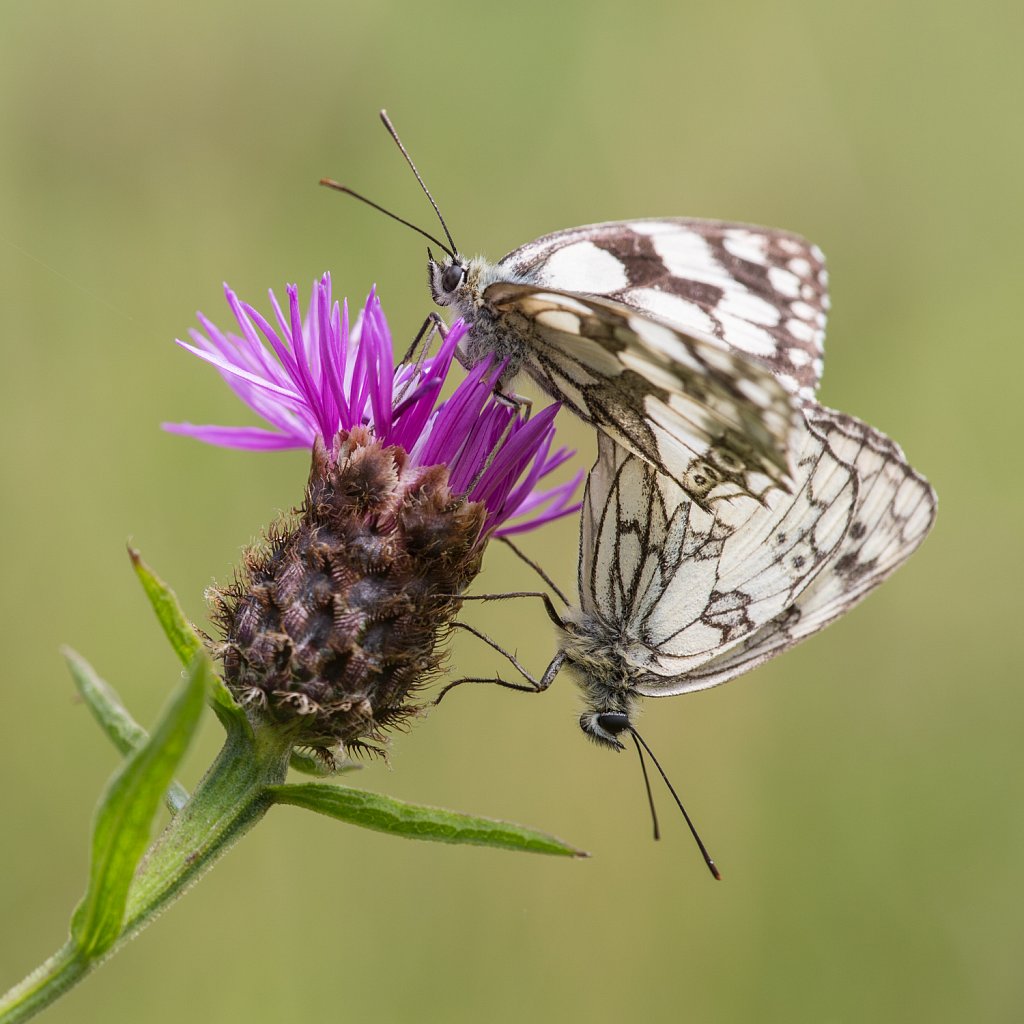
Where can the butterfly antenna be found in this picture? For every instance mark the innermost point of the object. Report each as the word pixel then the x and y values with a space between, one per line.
pixel 423 185
pixel 647 786
pixel 338 187
pixel 703 849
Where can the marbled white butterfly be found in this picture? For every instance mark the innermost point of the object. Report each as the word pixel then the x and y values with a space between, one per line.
pixel 674 597
pixel 670 336
pixel 685 341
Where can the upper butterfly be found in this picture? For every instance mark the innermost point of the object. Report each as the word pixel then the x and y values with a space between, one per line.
pixel 687 342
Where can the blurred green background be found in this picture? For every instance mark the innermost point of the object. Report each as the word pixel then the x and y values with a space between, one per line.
pixel 862 794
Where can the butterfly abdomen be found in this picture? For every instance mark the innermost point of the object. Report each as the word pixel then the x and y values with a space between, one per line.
pixel 595 654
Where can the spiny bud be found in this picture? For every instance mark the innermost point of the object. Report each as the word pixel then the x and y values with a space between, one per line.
pixel 334 622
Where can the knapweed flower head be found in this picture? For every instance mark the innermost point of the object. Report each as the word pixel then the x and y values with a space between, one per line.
pixel 334 620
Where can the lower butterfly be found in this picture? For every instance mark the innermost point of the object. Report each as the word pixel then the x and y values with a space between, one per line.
pixel 673 599
pixel 677 595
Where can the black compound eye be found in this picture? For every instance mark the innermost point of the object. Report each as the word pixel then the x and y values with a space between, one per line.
pixel 452 277
pixel 613 722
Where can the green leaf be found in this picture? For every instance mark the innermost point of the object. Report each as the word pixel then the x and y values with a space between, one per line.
pixel 384 814
pixel 183 637
pixel 126 810
pixel 114 718
pixel 178 629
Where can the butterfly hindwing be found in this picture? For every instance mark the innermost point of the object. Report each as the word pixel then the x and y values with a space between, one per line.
pixel 759 290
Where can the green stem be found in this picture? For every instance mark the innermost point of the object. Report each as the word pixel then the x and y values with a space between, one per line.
pixel 48 981
pixel 229 800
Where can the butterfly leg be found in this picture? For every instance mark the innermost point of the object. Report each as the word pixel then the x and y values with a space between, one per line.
pixel 517 402
pixel 432 323
pixel 532 685
pixel 492 454
pixel 548 606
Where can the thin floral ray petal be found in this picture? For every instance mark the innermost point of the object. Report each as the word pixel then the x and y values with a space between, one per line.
pixel 317 376
pixel 251 438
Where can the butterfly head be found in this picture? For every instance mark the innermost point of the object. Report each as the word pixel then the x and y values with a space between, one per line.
pixel 446 278
pixel 605 727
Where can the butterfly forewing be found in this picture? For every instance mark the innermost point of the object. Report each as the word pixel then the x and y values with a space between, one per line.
pixel 712 419
pixel 758 290
pixel 894 510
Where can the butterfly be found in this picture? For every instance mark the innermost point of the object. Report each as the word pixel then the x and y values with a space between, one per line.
pixel 687 342
pixel 673 600
pixel 675 597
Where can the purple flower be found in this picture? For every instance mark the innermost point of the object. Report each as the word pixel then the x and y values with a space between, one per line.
pixel 312 376
pixel 334 619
